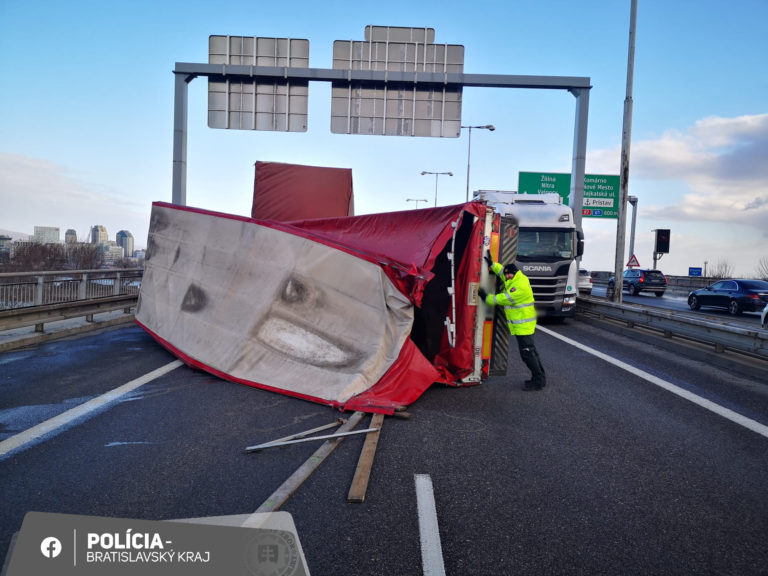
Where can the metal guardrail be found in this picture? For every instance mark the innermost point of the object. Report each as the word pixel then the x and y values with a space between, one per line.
pixel 27 289
pixel 39 315
pixel 67 303
pixel 720 335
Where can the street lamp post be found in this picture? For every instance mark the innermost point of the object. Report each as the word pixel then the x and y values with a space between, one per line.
pixel 417 200
pixel 490 127
pixel 436 175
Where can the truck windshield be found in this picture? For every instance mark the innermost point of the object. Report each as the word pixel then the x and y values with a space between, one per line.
pixel 537 245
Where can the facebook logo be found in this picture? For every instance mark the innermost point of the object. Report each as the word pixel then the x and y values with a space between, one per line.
pixel 50 547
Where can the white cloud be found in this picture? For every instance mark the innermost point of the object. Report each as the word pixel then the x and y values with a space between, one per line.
pixel 708 183
pixel 720 162
pixel 36 192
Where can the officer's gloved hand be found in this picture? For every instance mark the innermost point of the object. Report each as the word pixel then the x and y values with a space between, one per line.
pixel 482 293
pixel 488 258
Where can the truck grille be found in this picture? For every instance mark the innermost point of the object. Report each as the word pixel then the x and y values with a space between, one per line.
pixel 548 290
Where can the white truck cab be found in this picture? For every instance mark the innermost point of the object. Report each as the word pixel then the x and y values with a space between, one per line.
pixel 548 248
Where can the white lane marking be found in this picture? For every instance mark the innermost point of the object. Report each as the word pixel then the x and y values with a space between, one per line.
pixel 431 550
pixel 690 396
pixel 52 425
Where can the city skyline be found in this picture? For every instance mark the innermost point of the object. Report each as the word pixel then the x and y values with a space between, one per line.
pixel 66 229
pixel 113 250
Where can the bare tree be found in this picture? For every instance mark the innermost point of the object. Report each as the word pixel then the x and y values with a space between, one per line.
pixel 33 257
pixel 85 256
pixel 762 268
pixel 722 269
pixel 125 263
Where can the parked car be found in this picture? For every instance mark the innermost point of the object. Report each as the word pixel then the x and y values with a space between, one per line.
pixel 641 280
pixel 736 295
pixel 585 282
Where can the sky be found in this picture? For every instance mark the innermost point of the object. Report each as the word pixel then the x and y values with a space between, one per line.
pixel 86 114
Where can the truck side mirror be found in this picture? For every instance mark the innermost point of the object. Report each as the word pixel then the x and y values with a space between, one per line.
pixel 579 243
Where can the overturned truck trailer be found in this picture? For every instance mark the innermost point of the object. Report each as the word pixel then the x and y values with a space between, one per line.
pixel 360 313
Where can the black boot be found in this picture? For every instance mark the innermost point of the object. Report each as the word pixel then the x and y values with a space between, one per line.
pixel 528 385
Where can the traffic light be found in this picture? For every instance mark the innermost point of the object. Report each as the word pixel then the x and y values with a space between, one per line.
pixel 662 242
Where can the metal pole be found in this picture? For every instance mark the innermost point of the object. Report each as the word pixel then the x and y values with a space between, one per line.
pixel 576 193
pixel 469 149
pixel 425 172
pixel 417 200
pixel 299 435
pixel 489 127
pixel 180 109
pixel 633 201
pixel 312 439
pixel 625 146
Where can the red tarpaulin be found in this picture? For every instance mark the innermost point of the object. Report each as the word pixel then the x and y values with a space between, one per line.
pixel 294 192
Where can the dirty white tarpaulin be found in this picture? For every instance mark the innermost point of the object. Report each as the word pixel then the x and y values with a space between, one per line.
pixel 349 311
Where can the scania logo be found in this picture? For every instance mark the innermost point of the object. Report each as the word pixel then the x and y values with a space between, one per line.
pixel 537 268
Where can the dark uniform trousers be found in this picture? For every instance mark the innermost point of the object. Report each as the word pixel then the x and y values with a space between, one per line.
pixel 531 358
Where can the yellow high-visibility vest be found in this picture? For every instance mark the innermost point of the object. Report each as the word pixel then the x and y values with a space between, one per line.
pixel 517 300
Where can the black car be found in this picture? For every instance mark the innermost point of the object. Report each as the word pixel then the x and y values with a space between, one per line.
pixel 641 280
pixel 735 295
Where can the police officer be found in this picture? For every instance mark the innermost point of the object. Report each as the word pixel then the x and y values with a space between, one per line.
pixel 517 300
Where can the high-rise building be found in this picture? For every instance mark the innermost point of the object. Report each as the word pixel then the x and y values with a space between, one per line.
pixel 6 242
pixel 112 252
pixel 46 235
pixel 125 239
pixel 70 237
pixel 99 235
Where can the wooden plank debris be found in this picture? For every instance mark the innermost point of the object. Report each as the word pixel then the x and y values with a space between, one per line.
pixel 279 496
pixel 363 472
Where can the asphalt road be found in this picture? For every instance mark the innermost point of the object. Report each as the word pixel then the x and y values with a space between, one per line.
pixel 605 471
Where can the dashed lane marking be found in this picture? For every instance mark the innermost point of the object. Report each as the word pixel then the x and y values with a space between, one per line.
pixel 58 423
pixel 431 550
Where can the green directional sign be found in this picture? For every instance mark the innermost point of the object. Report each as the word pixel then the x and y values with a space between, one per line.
pixel 601 191
pixel 601 196
pixel 544 183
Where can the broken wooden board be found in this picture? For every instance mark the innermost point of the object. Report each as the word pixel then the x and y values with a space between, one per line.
pixel 363 472
pixel 279 496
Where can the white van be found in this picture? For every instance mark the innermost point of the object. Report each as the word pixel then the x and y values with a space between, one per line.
pixel 585 282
